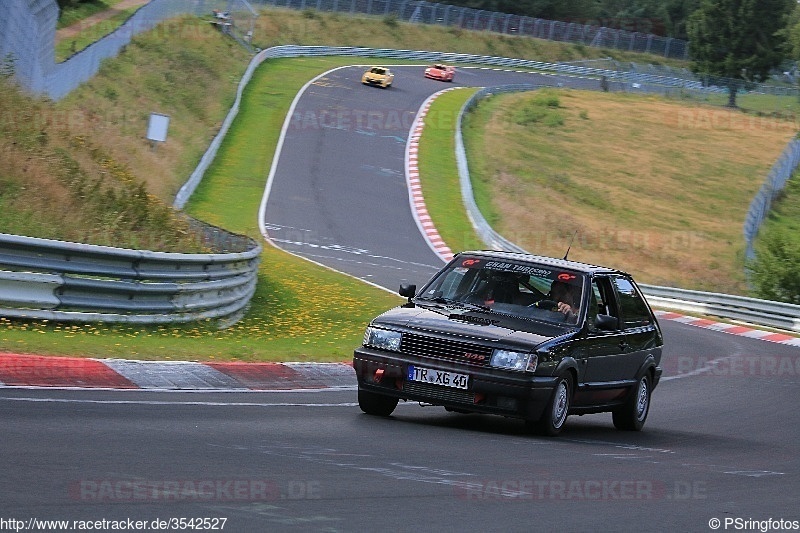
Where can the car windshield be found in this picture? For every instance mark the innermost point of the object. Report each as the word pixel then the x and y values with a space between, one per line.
pixel 524 289
pixel 378 71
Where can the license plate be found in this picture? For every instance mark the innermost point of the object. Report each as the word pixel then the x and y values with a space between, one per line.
pixel 438 377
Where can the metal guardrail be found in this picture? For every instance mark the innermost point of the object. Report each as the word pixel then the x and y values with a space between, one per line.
pixel 64 281
pixel 751 310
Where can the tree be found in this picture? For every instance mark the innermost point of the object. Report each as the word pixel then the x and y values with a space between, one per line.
pixel 793 33
pixel 741 40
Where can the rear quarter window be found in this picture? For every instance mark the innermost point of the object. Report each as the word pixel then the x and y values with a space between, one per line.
pixel 634 310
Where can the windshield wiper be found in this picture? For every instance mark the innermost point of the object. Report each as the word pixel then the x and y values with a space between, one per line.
pixel 438 300
pixel 455 303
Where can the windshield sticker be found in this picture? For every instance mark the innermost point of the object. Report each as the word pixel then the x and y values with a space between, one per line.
pixel 566 277
pixel 519 269
pixel 470 262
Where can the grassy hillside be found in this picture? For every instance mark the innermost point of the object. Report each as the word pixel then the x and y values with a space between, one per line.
pixel 650 185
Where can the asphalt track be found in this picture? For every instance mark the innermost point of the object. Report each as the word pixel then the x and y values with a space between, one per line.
pixel 338 194
pixel 721 441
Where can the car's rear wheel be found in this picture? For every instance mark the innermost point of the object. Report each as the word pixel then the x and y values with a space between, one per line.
pixel 632 415
pixel 376 404
pixel 555 415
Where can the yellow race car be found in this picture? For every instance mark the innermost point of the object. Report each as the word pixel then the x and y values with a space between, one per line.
pixel 378 76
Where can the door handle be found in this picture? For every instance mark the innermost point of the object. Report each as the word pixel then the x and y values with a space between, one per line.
pixel 623 345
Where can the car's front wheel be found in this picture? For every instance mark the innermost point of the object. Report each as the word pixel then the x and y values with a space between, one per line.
pixel 632 415
pixel 376 404
pixel 555 415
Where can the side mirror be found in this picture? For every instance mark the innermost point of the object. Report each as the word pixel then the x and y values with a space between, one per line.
pixel 408 290
pixel 606 322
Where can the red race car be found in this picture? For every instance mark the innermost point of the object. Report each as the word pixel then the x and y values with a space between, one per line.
pixel 440 72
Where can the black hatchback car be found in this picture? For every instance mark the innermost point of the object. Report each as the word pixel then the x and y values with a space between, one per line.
pixel 517 335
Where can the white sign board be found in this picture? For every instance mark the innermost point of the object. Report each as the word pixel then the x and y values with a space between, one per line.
pixel 157 128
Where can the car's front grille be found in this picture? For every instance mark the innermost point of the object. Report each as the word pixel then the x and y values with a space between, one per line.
pixel 438 393
pixel 447 349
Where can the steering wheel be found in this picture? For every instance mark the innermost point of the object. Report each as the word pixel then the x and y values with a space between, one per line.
pixel 548 305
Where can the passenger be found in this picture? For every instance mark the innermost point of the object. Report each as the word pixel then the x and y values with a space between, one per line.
pixel 497 287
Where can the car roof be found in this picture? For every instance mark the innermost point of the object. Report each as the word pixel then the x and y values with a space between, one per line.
pixel 550 261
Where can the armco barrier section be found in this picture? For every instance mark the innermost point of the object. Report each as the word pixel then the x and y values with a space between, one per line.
pixel 63 281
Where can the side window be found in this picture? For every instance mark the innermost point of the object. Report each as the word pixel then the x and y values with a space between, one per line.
pixel 601 301
pixel 633 308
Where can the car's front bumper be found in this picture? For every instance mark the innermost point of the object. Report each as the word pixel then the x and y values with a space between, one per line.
pixel 440 77
pixel 490 390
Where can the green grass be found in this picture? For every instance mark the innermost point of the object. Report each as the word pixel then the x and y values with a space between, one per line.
pixel 439 173
pixel 72 14
pixel 68 47
pixel 753 104
pixel 652 186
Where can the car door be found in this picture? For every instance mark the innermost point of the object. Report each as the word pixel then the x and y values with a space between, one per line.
pixel 606 349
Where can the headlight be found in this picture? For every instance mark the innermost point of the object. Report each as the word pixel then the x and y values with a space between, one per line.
pixel 514 360
pixel 383 339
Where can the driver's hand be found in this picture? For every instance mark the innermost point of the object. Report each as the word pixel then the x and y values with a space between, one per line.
pixel 564 307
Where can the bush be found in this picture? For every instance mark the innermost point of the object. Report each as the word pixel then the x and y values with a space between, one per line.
pixel 540 108
pixel 391 21
pixel 775 272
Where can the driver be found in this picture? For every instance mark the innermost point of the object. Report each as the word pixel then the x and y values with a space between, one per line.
pixel 566 299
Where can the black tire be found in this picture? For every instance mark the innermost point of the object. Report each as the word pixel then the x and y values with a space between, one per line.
pixel 557 410
pixel 376 404
pixel 632 415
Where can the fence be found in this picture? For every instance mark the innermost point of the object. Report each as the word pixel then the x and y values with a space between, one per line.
pixel 776 180
pixel 55 280
pixel 474 19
